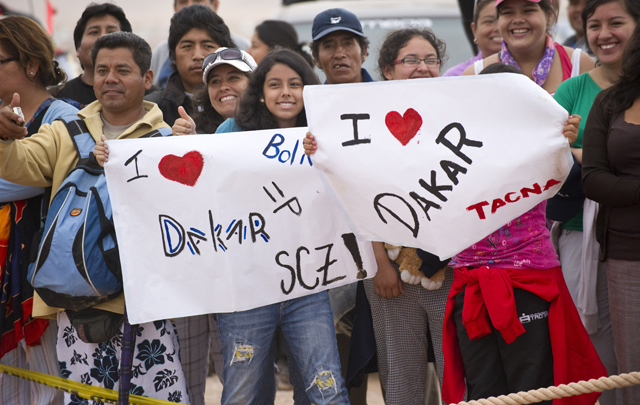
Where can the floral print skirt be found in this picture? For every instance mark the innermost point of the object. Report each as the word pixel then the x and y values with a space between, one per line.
pixel 155 372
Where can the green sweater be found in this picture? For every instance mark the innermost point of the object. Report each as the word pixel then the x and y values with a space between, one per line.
pixel 576 95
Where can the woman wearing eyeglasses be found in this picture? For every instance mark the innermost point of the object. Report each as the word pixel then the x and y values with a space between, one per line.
pixel 27 68
pixel 526 44
pixel 226 73
pixel 404 311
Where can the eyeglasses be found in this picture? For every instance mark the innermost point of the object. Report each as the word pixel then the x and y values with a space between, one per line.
pixel 7 60
pixel 414 62
pixel 225 54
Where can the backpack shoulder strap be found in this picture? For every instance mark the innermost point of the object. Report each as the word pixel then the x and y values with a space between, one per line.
pixel 157 133
pixel 80 135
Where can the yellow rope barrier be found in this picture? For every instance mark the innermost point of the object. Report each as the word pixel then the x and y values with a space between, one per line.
pixel 561 391
pixel 82 390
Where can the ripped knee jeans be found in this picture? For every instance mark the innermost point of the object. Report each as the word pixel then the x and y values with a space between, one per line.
pixel 307 324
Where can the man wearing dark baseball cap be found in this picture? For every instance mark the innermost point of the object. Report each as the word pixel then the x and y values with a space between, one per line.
pixel 339 46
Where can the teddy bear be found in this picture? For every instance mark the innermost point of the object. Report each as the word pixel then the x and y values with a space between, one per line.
pixel 410 267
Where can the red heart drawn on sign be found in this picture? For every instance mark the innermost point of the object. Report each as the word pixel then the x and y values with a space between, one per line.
pixel 185 170
pixel 403 127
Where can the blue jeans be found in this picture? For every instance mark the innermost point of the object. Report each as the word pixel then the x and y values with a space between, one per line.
pixel 307 325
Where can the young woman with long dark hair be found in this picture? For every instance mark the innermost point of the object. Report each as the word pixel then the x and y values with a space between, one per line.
pixel 273 99
pixel 608 27
pixel 611 177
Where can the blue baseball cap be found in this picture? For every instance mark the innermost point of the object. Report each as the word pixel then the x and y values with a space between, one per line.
pixel 335 19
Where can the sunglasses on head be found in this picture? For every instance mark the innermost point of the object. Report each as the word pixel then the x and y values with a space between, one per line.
pixel 225 54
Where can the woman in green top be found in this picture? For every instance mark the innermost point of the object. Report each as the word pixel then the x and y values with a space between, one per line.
pixel 608 25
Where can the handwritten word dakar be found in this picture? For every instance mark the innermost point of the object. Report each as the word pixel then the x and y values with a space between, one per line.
pixel 389 202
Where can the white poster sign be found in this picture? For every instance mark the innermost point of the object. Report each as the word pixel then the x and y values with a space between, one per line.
pixel 225 222
pixel 438 163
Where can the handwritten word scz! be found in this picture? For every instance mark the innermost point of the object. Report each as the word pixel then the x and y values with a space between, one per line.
pixel 175 236
pixel 350 242
pixel 276 150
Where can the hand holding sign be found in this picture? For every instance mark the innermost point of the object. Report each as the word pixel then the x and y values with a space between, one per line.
pixel 101 151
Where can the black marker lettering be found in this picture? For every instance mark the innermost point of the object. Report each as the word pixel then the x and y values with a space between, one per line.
pixel 134 158
pixel 300 280
pixel 424 203
pixel 442 138
pixel 433 188
pixel 452 169
pixel 355 117
pixel 252 223
pixel 378 205
pixel 328 262
pixel 293 273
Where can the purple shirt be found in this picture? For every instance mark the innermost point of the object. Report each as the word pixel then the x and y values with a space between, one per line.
pixel 523 243
pixel 460 67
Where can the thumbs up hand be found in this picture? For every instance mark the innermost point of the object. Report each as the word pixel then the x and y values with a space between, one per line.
pixel 184 125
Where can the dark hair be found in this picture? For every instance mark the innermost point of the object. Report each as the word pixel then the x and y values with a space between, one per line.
pixel 280 33
pixel 632 6
pixel 94 10
pixel 398 39
pixel 209 119
pixel 362 41
pixel 546 5
pixel 139 48
pixel 500 68
pixel 253 114
pixel 480 4
pixel 621 96
pixel 23 38
pixel 202 17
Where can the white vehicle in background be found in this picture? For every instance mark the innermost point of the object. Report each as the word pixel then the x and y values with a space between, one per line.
pixel 378 17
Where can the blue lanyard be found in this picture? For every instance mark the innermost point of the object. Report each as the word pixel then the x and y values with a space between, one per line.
pixel 42 107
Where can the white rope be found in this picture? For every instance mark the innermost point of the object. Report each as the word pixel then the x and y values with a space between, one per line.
pixel 561 391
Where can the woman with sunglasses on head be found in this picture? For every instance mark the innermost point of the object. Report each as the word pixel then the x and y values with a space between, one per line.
pixel 526 44
pixel 611 177
pixel 486 35
pixel 608 27
pixel 273 99
pixel 27 69
pixel 226 73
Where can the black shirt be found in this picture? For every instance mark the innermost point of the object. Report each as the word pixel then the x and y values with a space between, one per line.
pixel 79 91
